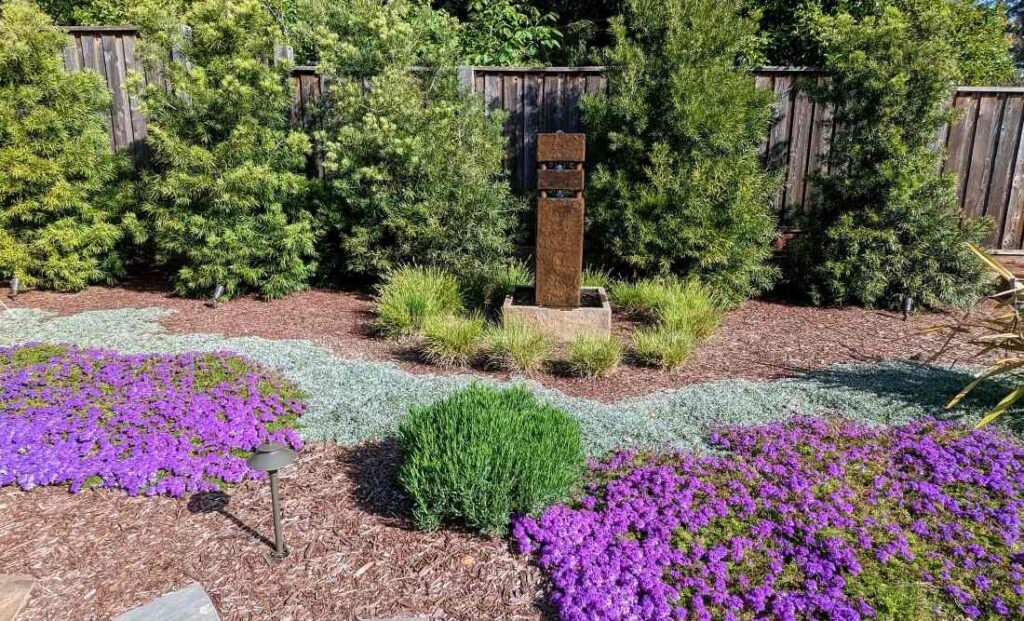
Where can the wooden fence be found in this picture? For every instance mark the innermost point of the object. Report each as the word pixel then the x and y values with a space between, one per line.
pixel 984 146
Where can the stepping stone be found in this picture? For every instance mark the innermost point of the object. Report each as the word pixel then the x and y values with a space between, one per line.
pixel 14 591
pixel 189 604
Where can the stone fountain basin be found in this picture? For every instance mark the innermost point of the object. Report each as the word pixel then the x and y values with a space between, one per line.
pixel 593 316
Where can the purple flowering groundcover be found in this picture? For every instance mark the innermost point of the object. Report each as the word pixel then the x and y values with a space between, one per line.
pixel 145 423
pixel 804 519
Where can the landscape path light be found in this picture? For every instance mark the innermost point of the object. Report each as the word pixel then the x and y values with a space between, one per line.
pixel 271 457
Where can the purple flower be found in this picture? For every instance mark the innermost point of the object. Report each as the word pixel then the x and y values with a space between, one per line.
pixel 147 424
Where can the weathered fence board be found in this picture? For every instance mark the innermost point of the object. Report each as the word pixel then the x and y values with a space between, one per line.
pixel 984 146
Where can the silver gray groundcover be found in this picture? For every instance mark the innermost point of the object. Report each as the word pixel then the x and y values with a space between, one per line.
pixel 356 400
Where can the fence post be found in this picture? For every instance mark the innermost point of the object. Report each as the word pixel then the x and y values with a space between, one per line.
pixel 466 74
pixel 177 54
pixel 284 53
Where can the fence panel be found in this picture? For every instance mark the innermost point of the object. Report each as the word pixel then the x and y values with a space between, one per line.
pixel 984 146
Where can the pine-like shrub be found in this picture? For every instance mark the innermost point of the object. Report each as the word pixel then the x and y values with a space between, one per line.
pixel 227 194
pixel 409 296
pixel 678 185
pixel 886 223
pixel 450 340
pixel 482 455
pixel 593 356
pixel 518 347
pixel 412 160
pixel 59 181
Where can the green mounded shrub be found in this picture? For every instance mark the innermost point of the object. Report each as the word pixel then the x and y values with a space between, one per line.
pixel 482 454
pixel 450 340
pixel 593 356
pixel 678 185
pixel 60 194
pixel 412 160
pixel 662 346
pixel 886 223
pixel 518 347
pixel 409 296
pixel 227 195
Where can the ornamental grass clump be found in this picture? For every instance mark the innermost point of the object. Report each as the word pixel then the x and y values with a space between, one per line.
pixel 518 347
pixel 800 519
pixel 663 347
pixel 593 356
pixel 482 455
pixel 451 340
pixel 409 296
pixel 146 423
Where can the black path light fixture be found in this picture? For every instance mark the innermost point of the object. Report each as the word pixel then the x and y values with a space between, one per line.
pixel 271 457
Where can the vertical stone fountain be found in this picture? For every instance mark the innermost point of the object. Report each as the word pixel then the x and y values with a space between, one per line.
pixel 559 304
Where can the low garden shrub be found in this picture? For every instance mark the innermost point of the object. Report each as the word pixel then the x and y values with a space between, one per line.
pixel 145 423
pixel 481 455
pixel 594 356
pixel 452 340
pixel 803 519
pixel 61 196
pixel 662 346
pixel 409 296
pixel 519 347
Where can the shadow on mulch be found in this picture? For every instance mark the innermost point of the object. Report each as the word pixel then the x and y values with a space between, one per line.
pixel 373 469
pixel 217 502
pixel 927 386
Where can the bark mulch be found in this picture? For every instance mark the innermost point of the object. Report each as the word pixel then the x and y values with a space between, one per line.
pixel 353 552
pixel 762 339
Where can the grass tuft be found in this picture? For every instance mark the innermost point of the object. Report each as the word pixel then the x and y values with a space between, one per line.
pixel 409 296
pixel 519 347
pixel 450 340
pixel 662 346
pixel 594 356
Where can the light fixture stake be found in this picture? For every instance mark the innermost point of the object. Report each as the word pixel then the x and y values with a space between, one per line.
pixel 271 457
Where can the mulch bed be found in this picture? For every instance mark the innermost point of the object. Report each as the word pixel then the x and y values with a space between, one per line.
pixel 762 339
pixel 353 553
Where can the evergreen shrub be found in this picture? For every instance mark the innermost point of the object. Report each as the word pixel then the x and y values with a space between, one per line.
pixel 481 455
pixel 227 192
pixel 60 191
pixel 678 185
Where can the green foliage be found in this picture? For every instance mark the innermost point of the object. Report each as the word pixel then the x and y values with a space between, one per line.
pixel 519 347
pixel 413 162
pixel 481 455
pixel 489 287
pixel 227 193
pixel 31 355
pixel 409 296
pixel 60 193
pixel 594 356
pixel 678 185
pixel 682 313
pixel 451 340
pixel 977 32
pixel 662 346
pixel 889 225
pixel 504 32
